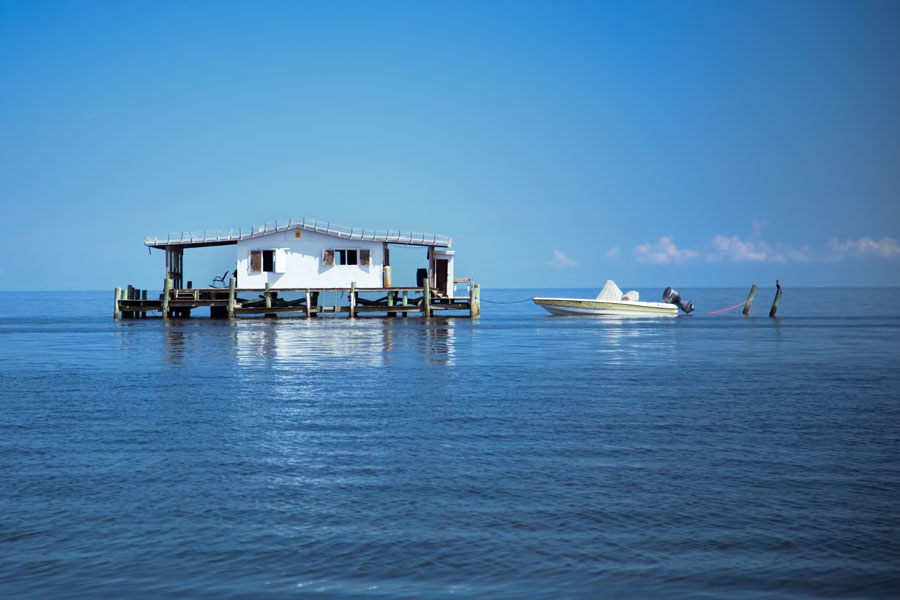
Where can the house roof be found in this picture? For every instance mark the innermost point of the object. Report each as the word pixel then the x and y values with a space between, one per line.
pixel 229 237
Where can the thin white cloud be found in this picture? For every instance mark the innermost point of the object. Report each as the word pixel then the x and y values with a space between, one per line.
pixel 561 261
pixel 734 249
pixel 662 252
pixel 865 246
pixel 614 252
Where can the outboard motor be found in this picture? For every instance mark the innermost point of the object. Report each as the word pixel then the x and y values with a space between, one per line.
pixel 670 296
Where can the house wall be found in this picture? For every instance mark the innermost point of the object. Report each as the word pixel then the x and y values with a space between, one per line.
pixel 303 266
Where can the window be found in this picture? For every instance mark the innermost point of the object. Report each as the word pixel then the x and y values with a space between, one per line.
pixel 346 257
pixel 268 261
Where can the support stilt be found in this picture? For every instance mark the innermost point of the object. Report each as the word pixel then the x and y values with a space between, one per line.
pixel 475 301
pixel 352 299
pixel 231 285
pixel 167 290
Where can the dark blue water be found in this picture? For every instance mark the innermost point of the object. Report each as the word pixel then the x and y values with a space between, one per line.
pixel 519 455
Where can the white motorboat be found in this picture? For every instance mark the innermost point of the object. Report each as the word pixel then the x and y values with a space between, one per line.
pixel 612 302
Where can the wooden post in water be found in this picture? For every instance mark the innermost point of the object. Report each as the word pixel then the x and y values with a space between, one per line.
pixel 268 298
pixel 352 299
pixel 143 297
pixel 116 314
pixel 405 302
pixel 308 307
pixel 231 285
pixel 749 300
pixel 475 301
pixel 167 289
pixel 129 295
pixel 777 299
pixel 427 299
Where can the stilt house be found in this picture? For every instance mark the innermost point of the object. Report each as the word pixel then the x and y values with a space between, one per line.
pixel 313 254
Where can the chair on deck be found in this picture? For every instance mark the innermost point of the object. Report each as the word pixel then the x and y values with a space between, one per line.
pixel 223 279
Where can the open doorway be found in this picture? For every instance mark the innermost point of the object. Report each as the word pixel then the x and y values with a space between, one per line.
pixel 405 260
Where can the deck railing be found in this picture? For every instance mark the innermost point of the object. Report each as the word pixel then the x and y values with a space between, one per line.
pixel 350 233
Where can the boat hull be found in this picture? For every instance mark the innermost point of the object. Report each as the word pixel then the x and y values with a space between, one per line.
pixel 578 306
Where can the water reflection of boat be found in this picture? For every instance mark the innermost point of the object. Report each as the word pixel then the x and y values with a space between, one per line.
pixel 611 302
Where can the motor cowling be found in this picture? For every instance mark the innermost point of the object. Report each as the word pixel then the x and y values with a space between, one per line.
pixel 670 296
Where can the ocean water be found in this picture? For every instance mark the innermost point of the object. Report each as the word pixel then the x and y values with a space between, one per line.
pixel 519 455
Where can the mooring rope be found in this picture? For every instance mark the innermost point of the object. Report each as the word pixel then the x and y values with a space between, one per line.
pixel 726 309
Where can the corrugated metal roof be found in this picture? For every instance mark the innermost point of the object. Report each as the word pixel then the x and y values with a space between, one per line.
pixel 223 238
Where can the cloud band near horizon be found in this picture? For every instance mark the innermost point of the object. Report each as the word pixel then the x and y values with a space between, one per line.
pixel 735 249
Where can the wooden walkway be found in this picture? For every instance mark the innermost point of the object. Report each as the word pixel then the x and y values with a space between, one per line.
pixel 232 302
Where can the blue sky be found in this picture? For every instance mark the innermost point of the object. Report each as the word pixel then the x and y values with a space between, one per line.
pixel 560 144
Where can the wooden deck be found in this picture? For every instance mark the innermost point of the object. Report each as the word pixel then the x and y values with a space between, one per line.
pixel 232 302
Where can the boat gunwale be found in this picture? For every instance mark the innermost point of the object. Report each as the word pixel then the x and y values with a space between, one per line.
pixel 617 303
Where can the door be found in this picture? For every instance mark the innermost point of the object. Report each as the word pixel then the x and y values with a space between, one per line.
pixel 440 276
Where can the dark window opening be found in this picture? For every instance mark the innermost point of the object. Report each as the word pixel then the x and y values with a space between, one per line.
pixel 268 260
pixel 346 257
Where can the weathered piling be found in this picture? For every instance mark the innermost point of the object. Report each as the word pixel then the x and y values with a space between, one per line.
pixel 268 300
pixel 143 297
pixel 777 299
pixel 475 300
pixel 405 302
pixel 231 293
pixel 128 295
pixel 352 299
pixel 116 314
pixel 167 291
pixel 749 300
pixel 426 299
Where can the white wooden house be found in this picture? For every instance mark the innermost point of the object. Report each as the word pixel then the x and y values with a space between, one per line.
pixel 312 254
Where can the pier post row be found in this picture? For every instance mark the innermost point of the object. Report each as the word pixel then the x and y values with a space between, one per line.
pixel 297 267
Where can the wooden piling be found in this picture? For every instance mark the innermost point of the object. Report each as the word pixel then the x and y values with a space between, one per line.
pixel 116 314
pixel 475 301
pixel 749 300
pixel 426 300
pixel 128 295
pixel 268 298
pixel 143 297
pixel 231 285
pixel 167 290
pixel 390 303
pixel 777 299
pixel 308 304
pixel 352 299
pixel 405 302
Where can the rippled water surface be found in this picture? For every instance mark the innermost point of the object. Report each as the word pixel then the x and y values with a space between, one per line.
pixel 518 455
